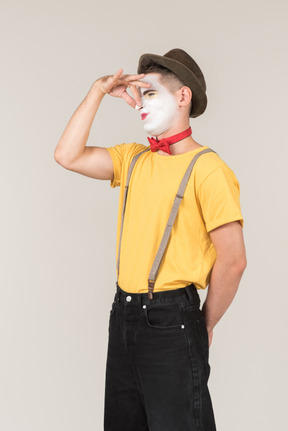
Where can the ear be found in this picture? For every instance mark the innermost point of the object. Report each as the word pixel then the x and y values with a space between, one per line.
pixel 185 96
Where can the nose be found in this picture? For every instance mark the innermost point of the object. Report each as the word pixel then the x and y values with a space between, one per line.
pixel 142 103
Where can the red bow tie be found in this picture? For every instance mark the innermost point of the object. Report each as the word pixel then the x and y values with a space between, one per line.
pixel 164 144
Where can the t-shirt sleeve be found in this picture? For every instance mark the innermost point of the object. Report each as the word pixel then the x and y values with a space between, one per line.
pixel 219 198
pixel 121 155
pixel 117 154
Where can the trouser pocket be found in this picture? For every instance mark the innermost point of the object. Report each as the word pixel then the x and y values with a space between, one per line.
pixel 196 332
pixel 164 316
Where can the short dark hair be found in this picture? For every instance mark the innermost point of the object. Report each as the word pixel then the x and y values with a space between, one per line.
pixel 148 66
pixel 168 77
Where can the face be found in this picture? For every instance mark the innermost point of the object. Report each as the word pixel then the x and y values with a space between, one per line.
pixel 159 110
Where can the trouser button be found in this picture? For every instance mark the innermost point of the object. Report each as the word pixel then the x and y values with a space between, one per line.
pixel 128 298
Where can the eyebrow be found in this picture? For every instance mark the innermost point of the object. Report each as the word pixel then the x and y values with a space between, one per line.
pixel 148 91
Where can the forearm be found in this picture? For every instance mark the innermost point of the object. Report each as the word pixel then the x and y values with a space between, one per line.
pixel 224 282
pixel 76 133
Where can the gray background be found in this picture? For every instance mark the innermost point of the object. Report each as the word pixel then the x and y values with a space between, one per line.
pixel 58 228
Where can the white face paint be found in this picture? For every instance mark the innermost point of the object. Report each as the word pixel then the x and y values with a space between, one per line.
pixel 159 107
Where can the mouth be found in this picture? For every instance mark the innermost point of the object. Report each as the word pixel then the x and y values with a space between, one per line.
pixel 143 116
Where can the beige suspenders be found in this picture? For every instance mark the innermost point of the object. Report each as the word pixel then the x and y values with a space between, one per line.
pixel 172 217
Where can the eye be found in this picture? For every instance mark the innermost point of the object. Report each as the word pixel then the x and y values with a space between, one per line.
pixel 150 94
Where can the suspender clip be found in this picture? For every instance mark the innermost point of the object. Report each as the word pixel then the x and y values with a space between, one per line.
pixel 151 284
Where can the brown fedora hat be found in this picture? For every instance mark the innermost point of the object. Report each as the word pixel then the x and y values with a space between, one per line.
pixel 180 63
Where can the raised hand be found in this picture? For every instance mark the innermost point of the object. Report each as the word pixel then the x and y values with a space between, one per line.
pixel 116 85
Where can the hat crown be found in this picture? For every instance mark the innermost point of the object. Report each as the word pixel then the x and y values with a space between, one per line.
pixel 182 57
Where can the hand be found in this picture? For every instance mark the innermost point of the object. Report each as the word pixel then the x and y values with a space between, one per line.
pixel 116 85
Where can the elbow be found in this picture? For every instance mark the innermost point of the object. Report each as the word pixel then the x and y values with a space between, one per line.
pixel 240 264
pixel 235 265
pixel 58 157
pixel 243 264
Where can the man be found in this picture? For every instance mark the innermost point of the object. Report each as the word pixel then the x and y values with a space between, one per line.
pixel 157 363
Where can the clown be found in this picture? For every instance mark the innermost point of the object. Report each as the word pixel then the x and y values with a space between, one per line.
pixel 159 108
pixel 179 230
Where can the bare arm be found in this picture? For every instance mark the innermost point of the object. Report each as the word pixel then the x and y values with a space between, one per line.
pixel 71 151
pixel 226 273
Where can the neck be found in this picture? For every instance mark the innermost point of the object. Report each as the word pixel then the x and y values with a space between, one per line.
pixel 180 147
pixel 177 128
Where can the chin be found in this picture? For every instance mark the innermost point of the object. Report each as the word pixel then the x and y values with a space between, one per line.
pixel 153 131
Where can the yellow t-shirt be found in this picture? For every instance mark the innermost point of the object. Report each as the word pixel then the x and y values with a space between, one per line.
pixel 211 199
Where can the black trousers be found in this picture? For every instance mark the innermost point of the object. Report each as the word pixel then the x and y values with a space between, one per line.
pixel 157 363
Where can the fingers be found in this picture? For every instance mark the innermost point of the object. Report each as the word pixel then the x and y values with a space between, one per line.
pixel 128 80
pixel 119 81
pixel 136 95
pixel 134 80
pixel 141 84
pixel 135 83
pixel 134 77
pixel 128 99
pixel 117 74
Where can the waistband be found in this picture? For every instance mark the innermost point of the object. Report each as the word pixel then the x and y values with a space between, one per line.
pixel 189 291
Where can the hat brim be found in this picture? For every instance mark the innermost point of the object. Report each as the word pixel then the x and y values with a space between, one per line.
pixel 199 98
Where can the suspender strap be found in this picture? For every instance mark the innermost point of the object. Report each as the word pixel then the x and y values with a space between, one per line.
pixel 132 164
pixel 172 217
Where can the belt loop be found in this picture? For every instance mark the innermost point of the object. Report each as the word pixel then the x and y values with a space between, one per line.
pixel 189 293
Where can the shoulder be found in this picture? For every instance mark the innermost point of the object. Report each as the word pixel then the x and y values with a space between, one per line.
pixel 135 148
pixel 126 151
pixel 122 155
pixel 211 165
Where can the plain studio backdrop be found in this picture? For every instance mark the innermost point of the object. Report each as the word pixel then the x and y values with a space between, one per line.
pixel 58 228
